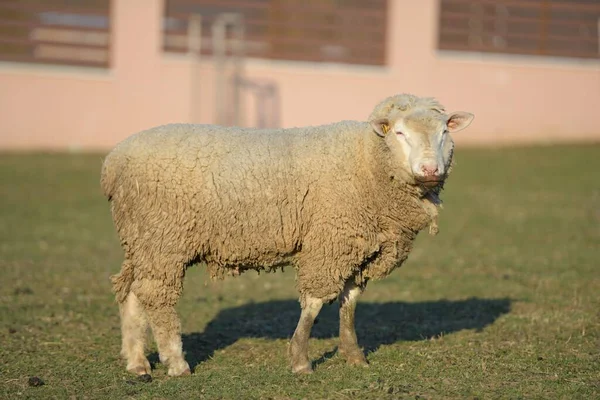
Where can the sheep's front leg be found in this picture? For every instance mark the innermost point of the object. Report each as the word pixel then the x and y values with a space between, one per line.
pixel 299 344
pixel 167 333
pixel 348 342
pixel 134 327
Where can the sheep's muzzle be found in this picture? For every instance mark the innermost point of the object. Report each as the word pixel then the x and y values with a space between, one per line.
pixel 429 181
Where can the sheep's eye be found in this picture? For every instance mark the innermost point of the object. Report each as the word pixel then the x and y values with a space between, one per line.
pixel 399 133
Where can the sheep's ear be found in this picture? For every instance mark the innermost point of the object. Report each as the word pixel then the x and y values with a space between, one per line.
pixel 459 121
pixel 381 126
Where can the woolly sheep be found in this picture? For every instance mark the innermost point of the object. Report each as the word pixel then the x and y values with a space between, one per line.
pixel 341 203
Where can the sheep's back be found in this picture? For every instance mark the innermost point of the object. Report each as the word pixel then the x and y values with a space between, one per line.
pixel 236 195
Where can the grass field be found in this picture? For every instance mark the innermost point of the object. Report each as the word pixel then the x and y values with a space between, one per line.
pixel 503 303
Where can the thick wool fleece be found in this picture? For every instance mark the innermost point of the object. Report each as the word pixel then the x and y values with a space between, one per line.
pixel 333 201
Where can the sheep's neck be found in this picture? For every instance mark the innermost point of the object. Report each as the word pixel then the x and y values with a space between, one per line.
pixel 401 206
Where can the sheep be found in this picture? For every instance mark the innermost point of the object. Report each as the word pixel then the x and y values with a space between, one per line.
pixel 341 203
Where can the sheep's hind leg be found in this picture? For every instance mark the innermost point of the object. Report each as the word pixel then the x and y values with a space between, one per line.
pixel 348 342
pixel 159 298
pixel 166 329
pixel 134 328
pixel 298 349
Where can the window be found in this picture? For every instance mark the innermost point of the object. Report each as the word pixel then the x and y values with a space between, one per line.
pixel 563 28
pixel 343 31
pixel 55 32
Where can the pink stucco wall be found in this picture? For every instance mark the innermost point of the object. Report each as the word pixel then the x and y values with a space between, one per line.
pixel 515 99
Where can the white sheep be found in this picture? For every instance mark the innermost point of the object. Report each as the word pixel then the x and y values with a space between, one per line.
pixel 341 203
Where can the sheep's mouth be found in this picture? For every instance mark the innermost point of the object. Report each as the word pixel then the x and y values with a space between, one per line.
pixel 429 181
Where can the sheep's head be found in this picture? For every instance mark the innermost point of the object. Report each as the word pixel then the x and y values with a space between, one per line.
pixel 419 129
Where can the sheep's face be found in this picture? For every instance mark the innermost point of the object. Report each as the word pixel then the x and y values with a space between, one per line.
pixel 424 139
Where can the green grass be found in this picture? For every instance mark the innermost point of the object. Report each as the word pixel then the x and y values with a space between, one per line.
pixel 503 303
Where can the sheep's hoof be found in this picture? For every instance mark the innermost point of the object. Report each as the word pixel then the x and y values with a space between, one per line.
pixel 181 371
pixel 186 372
pixel 302 369
pixel 359 360
pixel 143 369
pixel 354 357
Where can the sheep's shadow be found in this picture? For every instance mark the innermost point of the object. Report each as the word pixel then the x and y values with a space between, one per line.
pixel 376 323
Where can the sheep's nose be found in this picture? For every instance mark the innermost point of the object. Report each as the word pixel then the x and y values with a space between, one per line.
pixel 429 169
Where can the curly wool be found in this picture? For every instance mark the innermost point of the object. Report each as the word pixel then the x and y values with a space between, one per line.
pixel 330 200
pixel 405 104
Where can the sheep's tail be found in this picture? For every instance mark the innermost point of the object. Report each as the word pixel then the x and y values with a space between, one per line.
pixel 111 169
pixel 122 281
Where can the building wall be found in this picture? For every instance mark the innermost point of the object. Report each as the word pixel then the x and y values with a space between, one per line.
pixel 515 99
